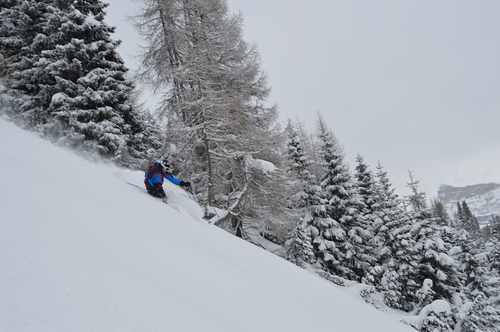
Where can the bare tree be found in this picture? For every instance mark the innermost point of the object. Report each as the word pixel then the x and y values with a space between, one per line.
pixel 214 96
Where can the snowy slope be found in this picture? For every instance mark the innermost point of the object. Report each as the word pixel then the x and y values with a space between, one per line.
pixel 81 250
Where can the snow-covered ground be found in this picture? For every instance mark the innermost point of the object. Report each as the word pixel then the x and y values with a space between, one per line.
pixel 82 250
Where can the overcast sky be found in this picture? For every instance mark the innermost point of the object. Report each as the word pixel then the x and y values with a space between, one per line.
pixel 412 84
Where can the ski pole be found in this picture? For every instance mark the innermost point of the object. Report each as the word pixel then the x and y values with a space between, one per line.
pixel 205 214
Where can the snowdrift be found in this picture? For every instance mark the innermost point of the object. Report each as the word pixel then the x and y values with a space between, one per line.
pixel 82 250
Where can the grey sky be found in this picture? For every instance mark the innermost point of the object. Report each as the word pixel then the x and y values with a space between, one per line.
pixel 412 84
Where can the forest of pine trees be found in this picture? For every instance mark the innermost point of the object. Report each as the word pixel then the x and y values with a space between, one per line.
pixel 62 77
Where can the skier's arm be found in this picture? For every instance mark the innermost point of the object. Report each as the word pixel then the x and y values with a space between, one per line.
pixel 173 179
pixel 176 181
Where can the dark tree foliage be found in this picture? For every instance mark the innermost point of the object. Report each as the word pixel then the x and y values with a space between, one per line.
pixel 66 80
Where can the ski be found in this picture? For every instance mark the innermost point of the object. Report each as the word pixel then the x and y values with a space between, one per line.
pixel 134 185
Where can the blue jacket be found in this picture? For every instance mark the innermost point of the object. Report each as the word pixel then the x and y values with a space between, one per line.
pixel 154 177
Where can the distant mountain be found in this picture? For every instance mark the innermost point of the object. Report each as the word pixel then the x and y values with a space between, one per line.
pixel 482 199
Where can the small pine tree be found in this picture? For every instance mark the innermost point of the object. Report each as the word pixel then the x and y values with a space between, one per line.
pixel 299 249
pixel 432 260
pixel 495 243
pixel 361 232
pixel 470 223
pixel 304 196
pixel 437 317
pixel 482 315
pixel 417 200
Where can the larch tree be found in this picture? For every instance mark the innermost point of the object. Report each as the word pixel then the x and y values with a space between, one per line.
pixel 214 98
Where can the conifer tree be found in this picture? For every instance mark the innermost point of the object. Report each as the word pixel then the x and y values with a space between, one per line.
pixel 495 243
pixel 417 200
pixel 303 182
pixel 334 229
pixel 362 229
pixel 299 250
pixel 439 212
pixel 395 275
pixel 365 186
pixel 302 201
pixel 482 315
pixel 470 223
pixel 387 217
pixel 67 80
pixel 214 105
pixel 479 282
pixel 431 259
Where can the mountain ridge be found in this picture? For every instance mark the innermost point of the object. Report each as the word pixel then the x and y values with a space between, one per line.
pixel 483 199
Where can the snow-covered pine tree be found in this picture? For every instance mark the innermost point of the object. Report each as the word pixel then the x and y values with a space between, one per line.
pixel 431 259
pixel 362 230
pixel 469 222
pixel 416 200
pixel 480 285
pixel 387 214
pixel 393 270
pixel 334 247
pixel 494 243
pixel 303 199
pixel 481 315
pixel 67 80
pixel 436 316
pixel 303 183
pixel 19 25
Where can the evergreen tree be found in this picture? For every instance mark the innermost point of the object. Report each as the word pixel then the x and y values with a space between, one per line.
pixel 336 231
pixel 417 200
pixel 431 259
pixel 480 316
pixel 304 196
pixel 495 243
pixel 396 272
pixel 437 316
pixel 362 230
pixel 67 80
pixel 365 186
pixel 470 223
pixel 298 248
pixel 303 183
pixel 439 212
pixel 479 283
pixel 393 271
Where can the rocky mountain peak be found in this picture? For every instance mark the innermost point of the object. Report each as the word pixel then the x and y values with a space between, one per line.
pixel 482 199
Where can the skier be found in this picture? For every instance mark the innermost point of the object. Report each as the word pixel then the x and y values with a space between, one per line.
pixel 155 175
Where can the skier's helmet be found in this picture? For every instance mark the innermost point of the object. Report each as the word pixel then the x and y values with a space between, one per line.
pixel 165 164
